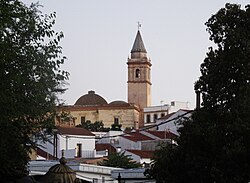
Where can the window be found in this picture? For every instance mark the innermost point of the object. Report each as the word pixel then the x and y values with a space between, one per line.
pixel 137 73
pixel 155 117
pixel 116 121
pixel 162 114
pixel 148 118
pixel 83 119
pixel 78 150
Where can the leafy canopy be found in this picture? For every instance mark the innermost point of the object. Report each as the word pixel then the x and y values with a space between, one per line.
pixel 119 160
pixel 97 126
pixel 31 77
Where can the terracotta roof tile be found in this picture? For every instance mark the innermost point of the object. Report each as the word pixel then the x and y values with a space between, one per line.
pixel 74 131
pixel 136 136
pixel 102 147
pixel 45 154
pixel 163 134
pixel 141 153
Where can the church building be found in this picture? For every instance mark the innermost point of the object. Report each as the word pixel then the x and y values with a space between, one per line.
pixel 94 107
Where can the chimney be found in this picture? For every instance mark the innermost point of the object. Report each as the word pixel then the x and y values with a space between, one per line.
pixel 198 99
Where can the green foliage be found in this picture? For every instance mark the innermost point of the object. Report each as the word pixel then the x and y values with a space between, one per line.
pixel 214 144
pixel 31 78
pixel 116 127
pixel 97 126
pixel 64 116
pixel 166 165
pixel 119 160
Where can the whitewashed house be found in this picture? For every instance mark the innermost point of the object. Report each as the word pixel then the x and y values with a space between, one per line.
pixel 133 140
pixel 170 123
pixel 69 142
pixel 140 156
pixel 153 113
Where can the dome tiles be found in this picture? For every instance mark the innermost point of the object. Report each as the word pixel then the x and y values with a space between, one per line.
pixel 91 99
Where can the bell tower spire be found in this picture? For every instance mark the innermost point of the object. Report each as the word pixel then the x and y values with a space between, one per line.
pixel 139 68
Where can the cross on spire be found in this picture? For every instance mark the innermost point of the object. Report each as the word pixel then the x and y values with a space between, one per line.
pixel 138 25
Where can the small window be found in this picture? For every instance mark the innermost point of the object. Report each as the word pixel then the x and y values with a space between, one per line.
pixel 79 150
pixel 148 118
pixel 137 73
pixel 83 119
pixel 116 121
pixel 155 117
pixel 162 114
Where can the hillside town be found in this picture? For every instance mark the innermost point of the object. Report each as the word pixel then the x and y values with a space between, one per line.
pixel 94 140
pixel 142 128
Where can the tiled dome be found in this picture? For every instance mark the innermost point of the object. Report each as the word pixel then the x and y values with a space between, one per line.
pixel 91 99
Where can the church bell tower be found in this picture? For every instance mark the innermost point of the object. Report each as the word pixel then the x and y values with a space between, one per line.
pixel 139 81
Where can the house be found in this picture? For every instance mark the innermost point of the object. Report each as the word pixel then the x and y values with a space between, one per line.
pixel 141 156
pixel 152 113
pixel 133 140
pixel 105 148
pixel 170 122
pixel 70 142
pixel 159 138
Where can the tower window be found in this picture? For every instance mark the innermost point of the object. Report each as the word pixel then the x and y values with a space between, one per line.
pixel 137 73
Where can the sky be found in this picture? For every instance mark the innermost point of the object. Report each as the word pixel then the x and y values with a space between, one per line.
pixel 99 35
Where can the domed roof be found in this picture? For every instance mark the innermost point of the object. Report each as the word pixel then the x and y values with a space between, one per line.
pixel 119 103
pixel 59 173
pixel 91 99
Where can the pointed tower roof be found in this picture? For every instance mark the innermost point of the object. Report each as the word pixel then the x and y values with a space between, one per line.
pixel 138 44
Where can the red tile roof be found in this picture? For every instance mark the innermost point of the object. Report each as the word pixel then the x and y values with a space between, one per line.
pixel 136 136
pixel 45 154
pixel 74 131
pixel 102 147
pixel 163 134
pixel 141 153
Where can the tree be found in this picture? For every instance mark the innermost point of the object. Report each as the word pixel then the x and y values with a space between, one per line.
pixel 31 78
pixel 97 126
pixel 119 160
pixel 214 144
pixel 116 127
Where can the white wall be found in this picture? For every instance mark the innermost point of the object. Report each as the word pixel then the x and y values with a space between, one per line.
pixel 48 146
pixel 128 144
pixel 69 144
pixel 155 110
pixel 173 125
pixel 111 137
pixel 177 105
pixel 138 158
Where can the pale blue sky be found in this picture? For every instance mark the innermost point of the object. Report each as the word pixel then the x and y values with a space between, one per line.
pixel 99 35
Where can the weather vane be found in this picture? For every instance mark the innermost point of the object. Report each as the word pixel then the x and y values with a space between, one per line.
pixel 139 25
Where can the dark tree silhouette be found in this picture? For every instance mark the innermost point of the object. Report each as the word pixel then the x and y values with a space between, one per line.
pixel 31 78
